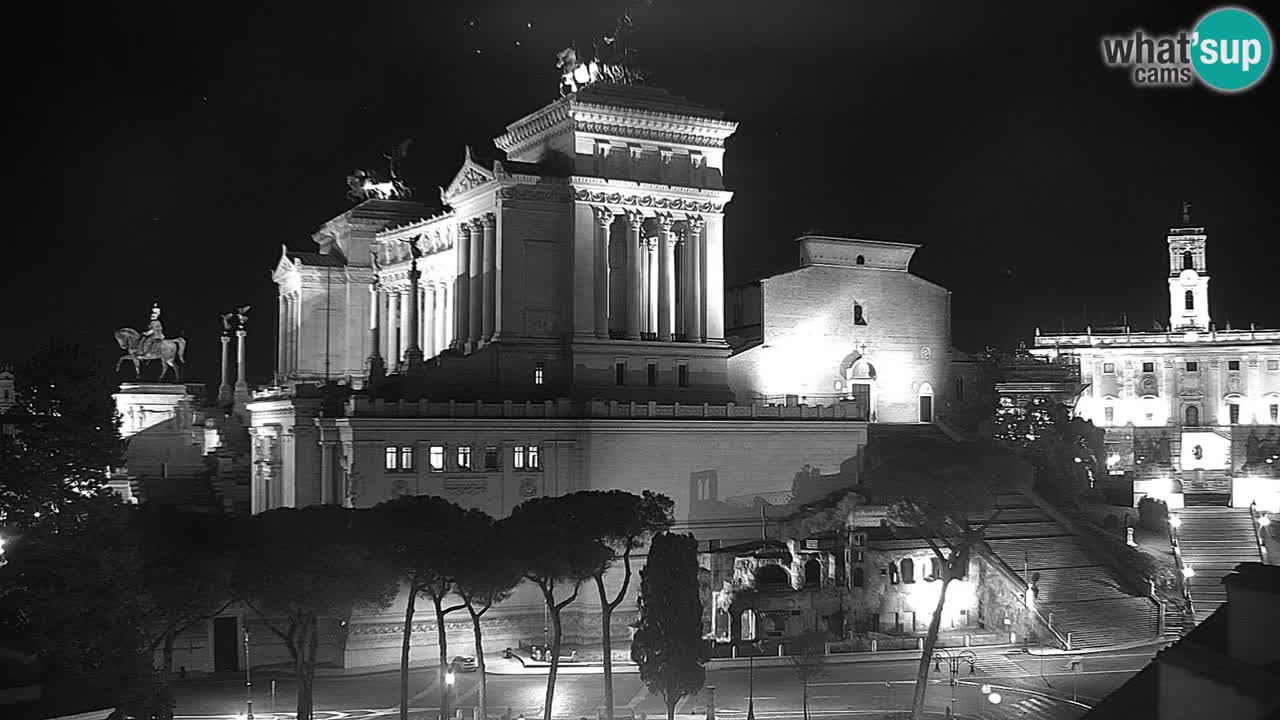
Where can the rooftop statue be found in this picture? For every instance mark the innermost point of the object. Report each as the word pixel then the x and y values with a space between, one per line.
pixel 242 317
pixel 612 61
pixel 151 345
pixel 368 185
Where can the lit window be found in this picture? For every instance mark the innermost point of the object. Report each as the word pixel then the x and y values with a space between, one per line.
pixel 535 458
pixel 620 373
pixel 1193 366
pixel 1148 367
pixel 393 458
pixel 538 369
pixel 682 375
pixel 1233 364
pixel 1110 414
pixel 653 374
pixel 406 459
pixel 893 574
pixel 1275 413
pixel 517 462
pixel 399 459
pixel 437 458
pixel 490 457
pixel 1109 368
pixel 464 457
pixel 1233 410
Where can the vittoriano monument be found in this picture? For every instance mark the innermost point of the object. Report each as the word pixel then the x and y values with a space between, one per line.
pixel 151 345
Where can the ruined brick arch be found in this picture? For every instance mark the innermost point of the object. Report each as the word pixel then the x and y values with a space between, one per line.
pixel 772 576
pixel 812 573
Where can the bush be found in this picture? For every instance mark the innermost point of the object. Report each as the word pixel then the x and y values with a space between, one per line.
pixel 1153 514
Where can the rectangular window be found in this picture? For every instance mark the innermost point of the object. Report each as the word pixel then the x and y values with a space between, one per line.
pixel 406 459
pixel 959 389
pixel 436 458
pixel 1110 415
pixel 491 457
pixel 1233 410
pixel 518 460
pixel 539 369
pixel 1273 364
pixel 1275 413
pixel 653 374
pixel 464 457
pixel 1109 368
pixel 1233 364
pixel 535 458
pixel 682 375
pixel 393 458
pixel 1148 367
pixel 620 373
pixel 1193 366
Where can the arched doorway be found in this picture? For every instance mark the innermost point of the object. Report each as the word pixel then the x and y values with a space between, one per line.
pixel 1192 416
pixel 925 396
pixel 812 573
pixel 772 577
pixel 860 385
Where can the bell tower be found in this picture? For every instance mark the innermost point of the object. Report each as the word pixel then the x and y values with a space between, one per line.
pixel 1188 276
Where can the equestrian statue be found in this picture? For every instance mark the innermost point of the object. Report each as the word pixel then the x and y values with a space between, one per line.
pixel 151 345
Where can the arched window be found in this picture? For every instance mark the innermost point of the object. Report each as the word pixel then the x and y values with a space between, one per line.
pixel 860 260
pixel 926 402
pixel 935 569
pixel 1190 300
pixel 908 571
pixel 771 577
pixel 893 573
pixel 812 573
pixel 859 577
pixel 858 318
pixel 1188 261
pixel 1192 416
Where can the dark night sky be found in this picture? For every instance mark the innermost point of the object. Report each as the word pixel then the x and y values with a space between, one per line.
pixel 164 152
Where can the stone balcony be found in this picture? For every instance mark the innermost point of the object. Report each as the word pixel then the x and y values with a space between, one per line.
pixel 1157 339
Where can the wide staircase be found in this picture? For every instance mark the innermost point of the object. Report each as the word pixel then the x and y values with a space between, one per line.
pixel 1213 541
pixel 1206 487
pixel 1079 595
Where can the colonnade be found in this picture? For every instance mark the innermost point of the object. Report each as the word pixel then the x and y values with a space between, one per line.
pixel 654 291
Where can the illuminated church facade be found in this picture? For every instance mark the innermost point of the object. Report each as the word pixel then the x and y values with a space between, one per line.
pixel 561 326
pixel 1192 412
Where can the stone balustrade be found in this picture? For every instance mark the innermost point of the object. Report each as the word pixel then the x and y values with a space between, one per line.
pixel 595 409
pixel 1220 337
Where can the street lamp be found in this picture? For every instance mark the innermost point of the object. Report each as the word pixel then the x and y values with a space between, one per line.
pixel 248 680
pixel 953 665
pixel 751 680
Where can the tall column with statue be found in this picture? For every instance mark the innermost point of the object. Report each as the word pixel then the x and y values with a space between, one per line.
pixel 242 384
pixel 413 351
pixel 225 398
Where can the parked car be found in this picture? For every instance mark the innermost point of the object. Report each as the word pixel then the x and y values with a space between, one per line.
pixel 464 663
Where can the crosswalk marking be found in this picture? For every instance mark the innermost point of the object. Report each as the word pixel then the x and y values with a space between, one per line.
pixel 1034 707
pixel 999 666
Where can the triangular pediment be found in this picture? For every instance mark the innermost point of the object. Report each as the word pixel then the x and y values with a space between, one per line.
pixel 284 266
pixel 470 176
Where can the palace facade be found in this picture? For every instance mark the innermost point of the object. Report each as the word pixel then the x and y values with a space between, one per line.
pixel 1191 412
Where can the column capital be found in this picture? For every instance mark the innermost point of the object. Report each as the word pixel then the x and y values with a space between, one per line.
pixel 666 221
pixel 604 216
pixel 695 222
pixel 635 219
pixel 464 228
pixel 488 220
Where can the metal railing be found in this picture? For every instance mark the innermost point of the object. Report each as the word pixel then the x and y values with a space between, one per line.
pixel 1260 520
pixel 1185 571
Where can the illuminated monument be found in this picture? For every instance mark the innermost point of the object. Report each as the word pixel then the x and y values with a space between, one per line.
pixel 559 325
pixel 1191 406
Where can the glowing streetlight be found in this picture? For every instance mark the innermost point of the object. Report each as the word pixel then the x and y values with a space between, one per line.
pixel 1187 572
pixel 1263 521
pixel 448 678
pixel 1175 521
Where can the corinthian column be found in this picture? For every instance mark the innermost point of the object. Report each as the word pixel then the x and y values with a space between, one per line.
pixel 282 339
pixel 666 277
pixel 489 270
pixel 376 369
pixel 393 336
pixel 413 351
pixel 651 279
pixel 429 320
pixel 462 287
pixel 635 291
pixel 604 219
pixel 224 389
pixel 475 284
pixel 695 304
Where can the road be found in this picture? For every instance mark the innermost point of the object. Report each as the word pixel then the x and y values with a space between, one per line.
pixel 1029 687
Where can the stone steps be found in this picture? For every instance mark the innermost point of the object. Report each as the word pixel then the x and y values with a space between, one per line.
pixel 1042 553
pixel 1213 541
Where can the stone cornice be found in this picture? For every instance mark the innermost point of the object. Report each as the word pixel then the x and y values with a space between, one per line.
pixel 553 117
pixel 646 196
pixel 540 194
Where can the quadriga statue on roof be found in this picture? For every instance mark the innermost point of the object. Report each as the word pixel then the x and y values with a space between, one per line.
pixel 151 345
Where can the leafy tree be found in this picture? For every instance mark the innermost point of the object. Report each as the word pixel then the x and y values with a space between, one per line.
pixel 187 569
pixel 304 565
pixel 936 487
pixel 427 537
pixel 809 661
pixel 620 521
pixel 668 645
pixel 488 571
pixel 552 546
pixel 1062 449
pixel 68 436
pixel 72 597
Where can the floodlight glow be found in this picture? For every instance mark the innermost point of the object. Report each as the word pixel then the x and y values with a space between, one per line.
pixel 448 678
pixel 986 690
pixel 1175 521
pixel 994 698
pixel 1113 460
pixel 1188 572
pixel 1262 521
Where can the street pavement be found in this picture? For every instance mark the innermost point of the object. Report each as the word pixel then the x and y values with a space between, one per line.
pixel 1030 687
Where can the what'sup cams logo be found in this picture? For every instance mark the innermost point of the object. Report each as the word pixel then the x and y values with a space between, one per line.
pixel 1228 51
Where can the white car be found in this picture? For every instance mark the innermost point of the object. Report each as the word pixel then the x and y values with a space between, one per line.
pixel 464 663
